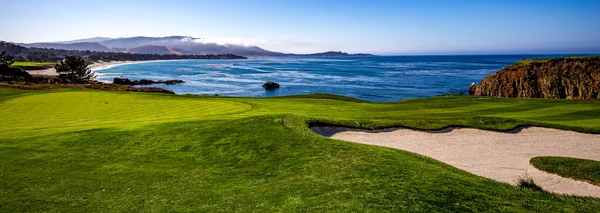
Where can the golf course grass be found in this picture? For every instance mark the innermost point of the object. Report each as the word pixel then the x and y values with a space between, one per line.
pixel 541 60
pixel 61 151
pixel 29 65
pixel 579 169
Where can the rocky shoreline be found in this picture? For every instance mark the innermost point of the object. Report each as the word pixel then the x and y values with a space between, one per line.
pixel 560 78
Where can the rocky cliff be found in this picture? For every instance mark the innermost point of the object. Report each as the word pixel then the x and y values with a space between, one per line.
pixel 570 78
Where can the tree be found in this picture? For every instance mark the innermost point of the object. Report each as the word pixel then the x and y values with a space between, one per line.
pixel 74 69
pixel 8 73
pixel 6 60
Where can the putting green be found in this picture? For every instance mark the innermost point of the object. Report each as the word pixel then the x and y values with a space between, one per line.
pixel 62 111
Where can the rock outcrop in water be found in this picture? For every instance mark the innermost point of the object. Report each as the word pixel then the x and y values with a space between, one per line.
pixel 570 78
pixel 270 85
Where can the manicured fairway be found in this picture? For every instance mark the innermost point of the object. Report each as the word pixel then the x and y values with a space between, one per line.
pixel 33 65
pixel 59 152
pixel 48 112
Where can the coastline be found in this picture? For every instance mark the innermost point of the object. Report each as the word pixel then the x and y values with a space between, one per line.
pixel 106 65
pixel 94 67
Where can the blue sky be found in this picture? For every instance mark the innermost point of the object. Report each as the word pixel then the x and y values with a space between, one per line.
pixel 381 27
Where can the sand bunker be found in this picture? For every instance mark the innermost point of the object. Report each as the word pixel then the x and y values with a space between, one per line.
pixel 500 156
pixel 47 72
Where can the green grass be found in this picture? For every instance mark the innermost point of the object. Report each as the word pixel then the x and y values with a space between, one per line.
pixel 579 169
pixel 28 65
pixel 125 151
pixel 541 60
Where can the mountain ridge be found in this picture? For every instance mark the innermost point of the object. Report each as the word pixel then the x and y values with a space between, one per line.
pixel 172 45
pixel 36 54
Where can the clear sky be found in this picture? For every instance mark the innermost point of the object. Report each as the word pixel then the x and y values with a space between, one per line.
pixel 375 26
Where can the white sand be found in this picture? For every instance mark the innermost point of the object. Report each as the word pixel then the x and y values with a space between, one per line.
pixel 95 66
pixel 500 156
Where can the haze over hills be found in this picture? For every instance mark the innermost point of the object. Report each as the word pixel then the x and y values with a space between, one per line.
pixel 91 46
pixel 179 45
pixel 95 39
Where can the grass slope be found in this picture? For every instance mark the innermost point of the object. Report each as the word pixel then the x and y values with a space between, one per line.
pixel 156 152
pixel 580 169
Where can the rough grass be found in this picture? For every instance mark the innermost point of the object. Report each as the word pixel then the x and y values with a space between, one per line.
pixel 59 152
pixel 528 183
pixel 579 169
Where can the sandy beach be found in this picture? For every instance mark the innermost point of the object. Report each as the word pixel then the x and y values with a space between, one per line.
pixel 500 156
pixel 95 66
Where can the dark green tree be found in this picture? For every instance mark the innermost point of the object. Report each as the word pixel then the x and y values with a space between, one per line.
pixel 11 74
pixel 6 60
pixel 74 69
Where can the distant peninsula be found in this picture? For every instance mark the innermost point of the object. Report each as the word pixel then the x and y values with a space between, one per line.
pixel 568 78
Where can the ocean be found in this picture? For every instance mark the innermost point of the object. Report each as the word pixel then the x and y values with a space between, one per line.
pixel 376 78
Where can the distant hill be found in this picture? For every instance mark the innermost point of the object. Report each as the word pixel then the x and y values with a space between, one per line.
pixel 82 46
pixel 138 41
pixel 153 49
pixel 13 49
pixel 53 55
pixel 180 45
pixel 95 39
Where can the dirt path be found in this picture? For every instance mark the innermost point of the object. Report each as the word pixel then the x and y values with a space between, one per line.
pixel 500 156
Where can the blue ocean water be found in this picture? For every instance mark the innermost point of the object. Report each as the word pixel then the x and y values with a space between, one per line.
pixel 378 78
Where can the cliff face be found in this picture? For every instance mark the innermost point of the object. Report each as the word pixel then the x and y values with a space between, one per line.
pixel 570 78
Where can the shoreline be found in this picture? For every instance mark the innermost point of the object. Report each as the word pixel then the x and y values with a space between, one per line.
pixel 94 66
pixel 107 65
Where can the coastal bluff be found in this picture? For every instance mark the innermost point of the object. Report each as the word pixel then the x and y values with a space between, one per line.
pixel 565 78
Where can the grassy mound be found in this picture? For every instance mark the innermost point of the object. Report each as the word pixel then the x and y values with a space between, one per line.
pixel 61 152
pixel 579 169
